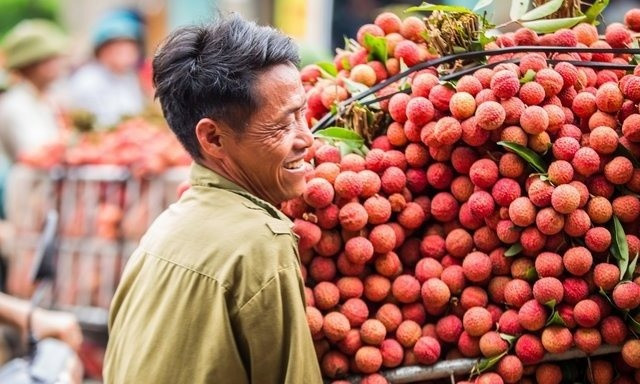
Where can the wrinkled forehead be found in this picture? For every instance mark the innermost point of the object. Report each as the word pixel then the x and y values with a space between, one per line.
pixel 279 87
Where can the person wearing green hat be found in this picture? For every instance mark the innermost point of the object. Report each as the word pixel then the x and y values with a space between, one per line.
pixel 28 118
pixel 108 87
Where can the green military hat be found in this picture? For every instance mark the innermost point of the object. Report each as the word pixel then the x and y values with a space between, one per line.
pixel 32 41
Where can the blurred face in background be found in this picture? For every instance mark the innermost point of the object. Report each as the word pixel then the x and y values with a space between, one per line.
pixel 119 56
pixel 43 73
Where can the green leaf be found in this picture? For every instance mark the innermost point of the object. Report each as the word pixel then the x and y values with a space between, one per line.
pixel 508 338
pixel 528 155
pixel 556 319
pixel 345 63
pixel 340 134
pixel 551 304
pixel 619 246
pixel 595 10
pixel 377 47
pixel 486 364
pixel 344 148
pixel 531 274
pixel 427 7
pixel 328 68
pixel 528 77
pixel 632 268
pixel 513 250
pixel 518 8
pixel 552 25
pixel 482 4
pixel 624 151
pixel 543 10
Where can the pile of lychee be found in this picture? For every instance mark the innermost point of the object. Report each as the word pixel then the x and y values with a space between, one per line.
pixel 441 243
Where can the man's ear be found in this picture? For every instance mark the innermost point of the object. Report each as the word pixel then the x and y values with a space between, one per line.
pixel 210 134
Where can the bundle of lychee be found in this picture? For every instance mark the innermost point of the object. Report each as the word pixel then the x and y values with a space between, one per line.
pixel 497 218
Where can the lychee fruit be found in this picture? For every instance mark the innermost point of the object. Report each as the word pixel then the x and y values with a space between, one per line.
pixel 565 198
pixel 335 326
pixel 427 350
pixel 626 295
pixel 529 350
pixel 490 115
pixel 534 120
pixel 505 84
pixel 477 321
pixel 532 315
pixel 586 313
pixel 556 339
pixel 631 353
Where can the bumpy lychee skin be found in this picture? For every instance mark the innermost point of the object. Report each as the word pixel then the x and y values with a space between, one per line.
pixel 549 221
pixel 505 84
pixel 334 364
pixel 522 212
pixel 398 107
pixel 393 180
pixel 548 289
pixel 348 185
pixel 505 190
pixel 613 329
pixel 477 266
pixel 368 359
pixel 477 321
pixel 484 173
pixel 481 204
pixel 532 93
pixel 406 289
pixel 532 315
pixel 565 198
pixel 490 115
pixel 427 350
pixel 603 140
pixel 631 353
pixel 510 369
pixel 626 208
pixel 588 340
pixel 534 120
pixel 440 95
pixel 447 131
pixel 556 339
pixel 335 326
pixel 626 295
pixel 551 81
pixel 353 216
pixel 586 313
pixel 435 293
pixel 599 209
pixel 492 344
pixel 420 111
pixel 577 223
pixel 540 192
pixel 598 239
pixel 560 172
pixel 392 353
pixel 619 170
pixel 529 349
pixel 564 148
pixel 577 260
pixel 549 264
pixel 449 328
pixel 632 19
pixel 609 98
pixel 462 105
pixel 319 193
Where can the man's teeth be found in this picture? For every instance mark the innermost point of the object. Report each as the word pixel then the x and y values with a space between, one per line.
pixel 294 164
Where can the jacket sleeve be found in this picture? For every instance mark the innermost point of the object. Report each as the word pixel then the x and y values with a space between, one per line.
pixel 276 339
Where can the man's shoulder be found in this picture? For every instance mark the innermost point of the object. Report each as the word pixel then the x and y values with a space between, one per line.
pixel 227 239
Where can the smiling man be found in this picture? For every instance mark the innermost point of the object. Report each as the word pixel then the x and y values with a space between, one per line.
pixel 214 292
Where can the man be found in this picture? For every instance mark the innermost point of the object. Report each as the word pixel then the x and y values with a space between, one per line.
pixel 108 87
pixel 214 292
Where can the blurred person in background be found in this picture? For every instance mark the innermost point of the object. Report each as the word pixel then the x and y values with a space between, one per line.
pixel 108 87
pixel 29 119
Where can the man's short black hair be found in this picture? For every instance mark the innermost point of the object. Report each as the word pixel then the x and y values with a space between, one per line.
pixel 210 70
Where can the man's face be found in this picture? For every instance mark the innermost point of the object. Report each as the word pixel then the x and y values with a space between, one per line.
pixel 45 72
pixel 268 155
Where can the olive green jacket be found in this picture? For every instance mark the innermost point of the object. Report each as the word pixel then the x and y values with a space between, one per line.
pixel 213 294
